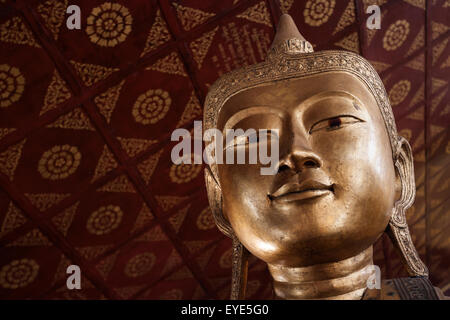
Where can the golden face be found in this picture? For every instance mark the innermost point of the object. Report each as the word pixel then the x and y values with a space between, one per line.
pixel 335 185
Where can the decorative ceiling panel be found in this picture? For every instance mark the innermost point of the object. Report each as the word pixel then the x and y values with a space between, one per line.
pixel 86 117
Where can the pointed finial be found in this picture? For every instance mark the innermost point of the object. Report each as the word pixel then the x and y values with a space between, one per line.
pixel 288 39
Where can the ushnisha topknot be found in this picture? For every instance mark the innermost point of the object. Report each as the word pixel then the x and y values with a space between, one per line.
pixel 291 56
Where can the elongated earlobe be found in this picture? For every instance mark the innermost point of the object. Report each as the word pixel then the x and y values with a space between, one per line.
pixel 398 228
pixel 240 253
pixel 240 270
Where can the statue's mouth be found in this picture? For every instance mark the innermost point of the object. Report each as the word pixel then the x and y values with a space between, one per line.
pixel 306 190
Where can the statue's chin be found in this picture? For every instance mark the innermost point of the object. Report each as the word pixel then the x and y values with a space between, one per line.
pixel 301 252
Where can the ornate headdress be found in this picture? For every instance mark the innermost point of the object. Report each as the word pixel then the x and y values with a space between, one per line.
pixel 290 57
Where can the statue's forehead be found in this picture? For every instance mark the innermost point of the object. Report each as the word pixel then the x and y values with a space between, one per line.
pixel 295 91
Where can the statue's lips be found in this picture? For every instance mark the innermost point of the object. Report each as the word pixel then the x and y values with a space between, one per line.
pixel 301 191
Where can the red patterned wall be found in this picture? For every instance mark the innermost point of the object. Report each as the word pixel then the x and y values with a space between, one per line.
pixel 86 116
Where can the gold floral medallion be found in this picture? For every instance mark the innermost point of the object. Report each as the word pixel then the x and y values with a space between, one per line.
pixel 18 273
pixel 59 162
pixel 109 24
pixel 183 173
pixel 395 35
pixel 151 106
pixel 140 265
pixel 205 220
pixel 12 85
pixel 399 92
pixel 317 12
pixel 104 220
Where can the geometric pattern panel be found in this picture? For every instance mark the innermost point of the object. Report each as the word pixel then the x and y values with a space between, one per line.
pixel 86 175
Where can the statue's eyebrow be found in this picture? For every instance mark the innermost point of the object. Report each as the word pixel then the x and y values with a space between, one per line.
pixel 333 93
pixel 253 110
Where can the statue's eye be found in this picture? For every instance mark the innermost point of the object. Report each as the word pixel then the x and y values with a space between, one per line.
pixel 334 123
pixel 261 136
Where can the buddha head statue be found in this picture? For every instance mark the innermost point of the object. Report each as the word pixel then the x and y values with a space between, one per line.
pixel 343 176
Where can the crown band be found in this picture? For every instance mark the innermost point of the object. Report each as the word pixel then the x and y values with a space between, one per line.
pixel 290 46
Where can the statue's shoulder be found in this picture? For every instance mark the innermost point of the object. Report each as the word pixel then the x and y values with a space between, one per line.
pixel 412 288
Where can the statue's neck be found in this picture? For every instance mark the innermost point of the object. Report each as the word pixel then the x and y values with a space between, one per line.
pixel 345 279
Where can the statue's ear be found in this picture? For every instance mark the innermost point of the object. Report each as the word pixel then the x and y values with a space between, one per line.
pixel 215 203
pixel 240 254
pixel 398 228
pixel 404 169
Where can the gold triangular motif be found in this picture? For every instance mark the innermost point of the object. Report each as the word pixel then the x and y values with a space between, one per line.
pixel 129 292
pixel 106 102
pixel 31 239
pixel 177 219
pixel 93 251
pixel 286 5
pixel 199 294
pixel 420 140
pixel 379 66
pixel 134 146
pixel 13 219
pixel 204 258
pixel 61 269
pixel 181 274
pixel 350 42
pixel 438 49
pixel 120 184
pixel 63 220
pixel 105 164
pixel 168 202
pixel 446 110
pixel 147 167
pixel 200 46
pixel 75 120
pixel 437 100
pixel 171 262
pixel 257 13
pixel 190 17
pixel 436 84
pixel 420 156
pixel 5 131
pixel 15 31
pixel 57 93
pixel 170 64
pixel 159 34
pixel 144 217
pixel 417 3
pixel 446 63
pixel 417 63
pixel 438 29
pixel 9 159
pixel 91 73
pixel 436 144
pixel 105 266
pixel 192 111
pixel 196 245
pixel 53 13
pixel 155 234
pixel 347 18
pixel 435 130
pixel 419 42
pixel 418 96
pixel 44 201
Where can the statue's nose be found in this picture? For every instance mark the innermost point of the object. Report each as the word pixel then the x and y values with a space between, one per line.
pixel 299 156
